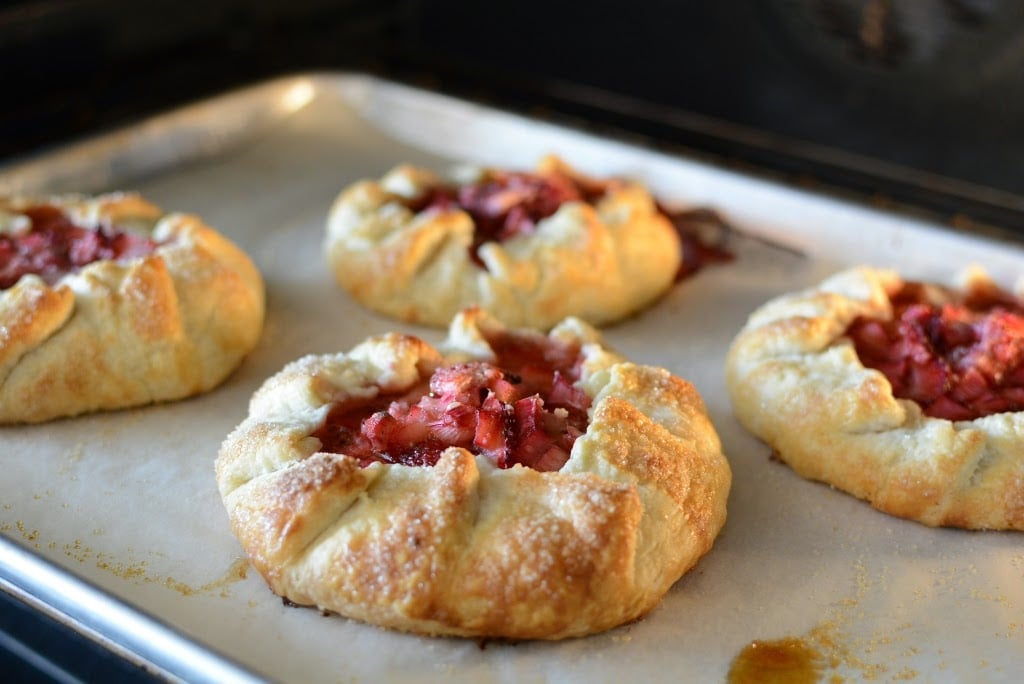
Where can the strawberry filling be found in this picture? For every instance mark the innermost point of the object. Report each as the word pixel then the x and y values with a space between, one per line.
pixel 506 204
pixel 702 235
pixel 53 246
pixel 522 409
pixel 960 358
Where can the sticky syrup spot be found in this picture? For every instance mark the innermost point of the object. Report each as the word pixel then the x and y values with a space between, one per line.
pixel 791 660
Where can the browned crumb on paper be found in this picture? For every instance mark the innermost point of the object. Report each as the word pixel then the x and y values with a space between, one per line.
pixel 137 571
pixel 236 572
pixel 31 536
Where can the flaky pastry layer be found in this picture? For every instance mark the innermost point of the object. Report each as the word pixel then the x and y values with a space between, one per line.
pixel 600 263
pixel 463 547
pixel 797 383
pixel 121 333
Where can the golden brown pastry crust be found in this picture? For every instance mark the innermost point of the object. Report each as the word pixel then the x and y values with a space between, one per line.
pixel 797 383
pixel 464 548
pixel 115 334
pixel 600 263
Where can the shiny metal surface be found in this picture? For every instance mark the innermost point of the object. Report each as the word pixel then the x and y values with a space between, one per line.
pixel 116 625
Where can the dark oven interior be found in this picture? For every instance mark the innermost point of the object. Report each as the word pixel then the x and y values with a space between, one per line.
pixel 915 102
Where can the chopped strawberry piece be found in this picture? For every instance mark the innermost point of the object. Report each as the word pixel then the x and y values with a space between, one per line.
pixel 552 459
pixel 531 441
pixel 508 388
pixel 457 425
pixel 1014 396
pixel 85 249
pixel 437 198
pixel 951 333
pixel 492 428
pixel 1014 378
pixel 566 395
pixel 129 246
pixel 970 386
pixel 926 381
pixel 944 407
pixel 380 429
pixel 873 341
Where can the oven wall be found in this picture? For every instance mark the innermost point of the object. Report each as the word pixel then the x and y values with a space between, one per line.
pixel 926 93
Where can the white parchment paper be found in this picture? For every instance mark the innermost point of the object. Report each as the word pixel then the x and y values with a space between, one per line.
pixel 127 500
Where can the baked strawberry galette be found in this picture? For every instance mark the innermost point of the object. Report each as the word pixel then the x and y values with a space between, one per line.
pixel 909 395
pixel 532 248
pixel 514 485
pixel 108 302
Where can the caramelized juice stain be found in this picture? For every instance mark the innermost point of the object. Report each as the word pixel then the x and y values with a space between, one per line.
pixel 791 660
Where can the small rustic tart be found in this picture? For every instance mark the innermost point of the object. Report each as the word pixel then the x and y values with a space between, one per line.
pixel 531 248
pixel 515 485
pixel 107 302
pixel 909 395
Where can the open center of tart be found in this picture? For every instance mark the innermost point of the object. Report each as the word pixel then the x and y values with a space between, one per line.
pixel 43 241
pixel 521 409
pixel 505 204
pixel 959 356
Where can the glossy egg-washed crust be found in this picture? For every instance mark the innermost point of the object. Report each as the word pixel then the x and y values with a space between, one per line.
pixel 797 383
pixel 116 334
pixel 464 548
pixel 599 263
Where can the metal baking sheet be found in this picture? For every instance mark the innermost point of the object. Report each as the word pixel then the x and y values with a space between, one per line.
pixel 126 501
